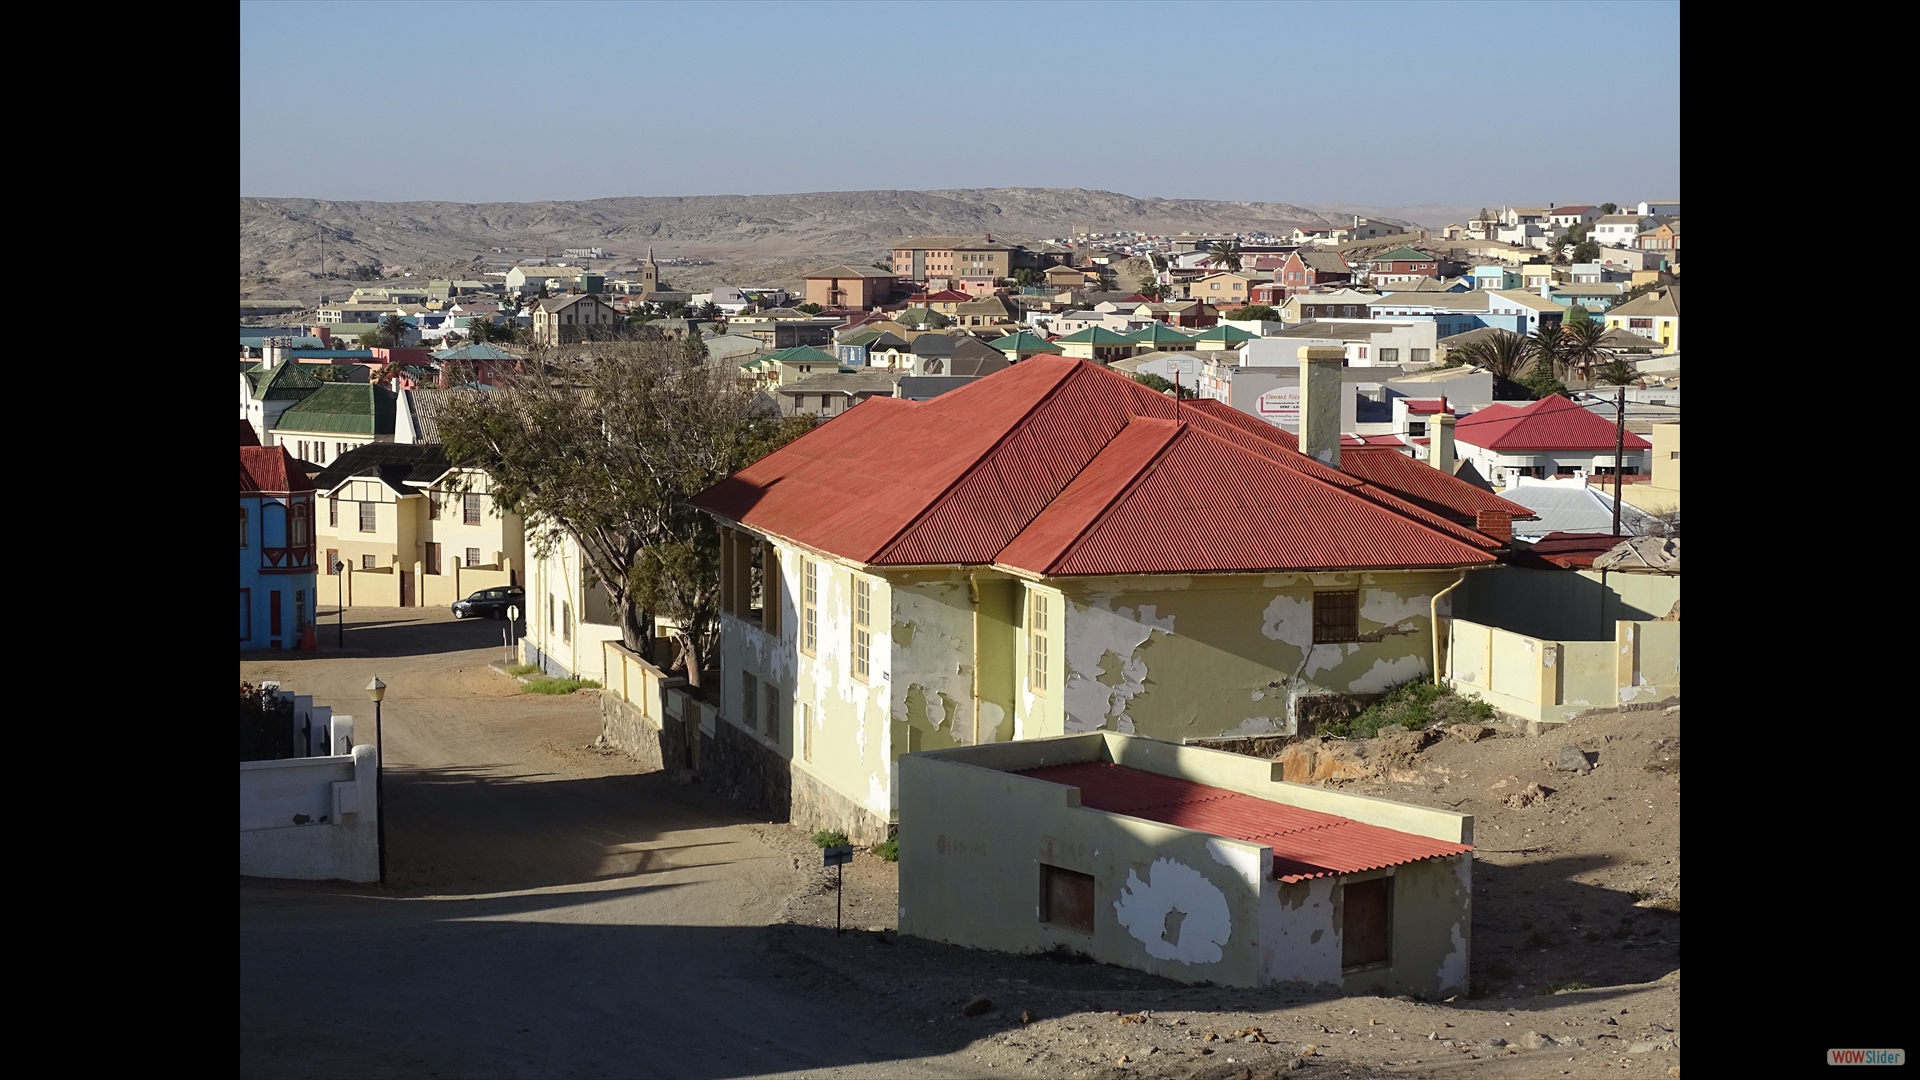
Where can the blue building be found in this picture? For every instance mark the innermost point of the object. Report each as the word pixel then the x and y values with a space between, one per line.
pixel 277 583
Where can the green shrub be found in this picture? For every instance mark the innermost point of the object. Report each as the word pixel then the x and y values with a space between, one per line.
pixel 888 850
pixel 559 686
pixel 1571 984
pixel 524 669
pixel 827 838
pixel 1412 705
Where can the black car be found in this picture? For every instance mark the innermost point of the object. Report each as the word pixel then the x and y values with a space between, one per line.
pixel 490 603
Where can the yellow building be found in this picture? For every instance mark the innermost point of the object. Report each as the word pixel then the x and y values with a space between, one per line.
pixel 1655 315
pixel 1662 494
pixel 410 530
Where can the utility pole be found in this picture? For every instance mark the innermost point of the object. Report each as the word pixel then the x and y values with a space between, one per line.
pixel 1619 447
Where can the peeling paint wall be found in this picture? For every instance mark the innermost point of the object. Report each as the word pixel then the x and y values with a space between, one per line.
pixel 1206 656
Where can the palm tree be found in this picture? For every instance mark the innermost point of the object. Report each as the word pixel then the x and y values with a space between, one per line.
pixel 1617 373
pixel 393 330
pixel 1502 353
pixel 1225 253
pixel 1548 348
pixel 1583 346
pixel 1150 287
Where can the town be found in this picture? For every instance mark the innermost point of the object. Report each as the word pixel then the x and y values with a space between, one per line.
pixel 1189 643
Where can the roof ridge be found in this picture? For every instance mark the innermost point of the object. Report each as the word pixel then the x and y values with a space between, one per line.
pixel 1133 481
pixel 933 504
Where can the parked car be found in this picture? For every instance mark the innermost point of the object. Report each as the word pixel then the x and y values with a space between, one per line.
pixel 491 603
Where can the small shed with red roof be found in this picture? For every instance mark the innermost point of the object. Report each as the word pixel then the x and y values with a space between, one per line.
pixel 1547 438
pixel 1193 864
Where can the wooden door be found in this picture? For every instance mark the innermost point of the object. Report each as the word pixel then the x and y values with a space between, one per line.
pixel 406 588
pixel 273 615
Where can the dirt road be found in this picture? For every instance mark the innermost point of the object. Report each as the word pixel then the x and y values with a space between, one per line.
pixel 549 912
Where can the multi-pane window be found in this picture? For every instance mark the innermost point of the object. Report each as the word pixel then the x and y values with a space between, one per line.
pixel 433 558
pixel 862 632
pixel 772 693
pixel 1037 642
pixel 566 620
pixel 770 591
pixel 333 561
pixel 366 562
pixel 471 507
pixel 749 701
pixel 433 505
pixel 809 607
pixel 473 556
pixel 367 519
pixel 1336 616
pixel 333 511
pixel 243 526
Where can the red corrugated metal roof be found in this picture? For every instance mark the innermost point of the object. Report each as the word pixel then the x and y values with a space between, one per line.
pixel 1552 423
pixel 270 469
pixel 247 436
pixel 1425 406
pixel 956 479
pixel 1306 843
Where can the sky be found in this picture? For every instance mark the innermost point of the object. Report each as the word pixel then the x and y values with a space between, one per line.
pixel 1379 104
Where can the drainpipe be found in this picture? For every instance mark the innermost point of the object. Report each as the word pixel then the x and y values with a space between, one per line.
pixel 1433 615
pixel 973 594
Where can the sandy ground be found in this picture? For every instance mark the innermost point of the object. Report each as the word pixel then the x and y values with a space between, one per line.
pixel 553 911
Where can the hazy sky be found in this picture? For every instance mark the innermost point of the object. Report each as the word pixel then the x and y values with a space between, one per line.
pixel 1385 104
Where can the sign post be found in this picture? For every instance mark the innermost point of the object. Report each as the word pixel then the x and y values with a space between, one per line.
pixel 838 857
pixel 506 632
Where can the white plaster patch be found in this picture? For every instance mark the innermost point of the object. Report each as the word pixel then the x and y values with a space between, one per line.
pixel 1092 633
pixel 1289 619
pixel 991 717
pixel 1453 968
pixel 1259 695
pixel 1259 725
pixel 1388 673
pixel 876 793
pixel 1323 658
pixel 1383 606
pixel 1239 858
pixel 1143 908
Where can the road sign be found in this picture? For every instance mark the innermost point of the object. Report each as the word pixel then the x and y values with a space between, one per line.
pixel 838 856
pixel 513 613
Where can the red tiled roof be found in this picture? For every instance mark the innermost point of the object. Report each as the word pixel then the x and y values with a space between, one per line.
pixel 944 296
pixel 1306 843
pixel 1386 469
pixel 247 436
pixel 1170 497
pixel 1567 551
pixel 1552 423
pixel 271 469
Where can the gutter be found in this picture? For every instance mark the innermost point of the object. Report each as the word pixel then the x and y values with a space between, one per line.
pixel 1433 620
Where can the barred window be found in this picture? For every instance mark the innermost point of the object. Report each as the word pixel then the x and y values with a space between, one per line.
pixel 1336 616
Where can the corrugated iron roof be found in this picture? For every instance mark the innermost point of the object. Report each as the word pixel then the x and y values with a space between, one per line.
pixel 270 469
pixel 1306 843
pixel 1552 423
pixel 957 479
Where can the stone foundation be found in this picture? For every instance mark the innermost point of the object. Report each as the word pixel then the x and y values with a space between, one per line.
pixel 624 727
pixel 815 807
pixel 739 766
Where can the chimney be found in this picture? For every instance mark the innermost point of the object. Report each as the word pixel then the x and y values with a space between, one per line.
pixel 274 352
pixel 1495 523
pixel 1440 440
pixel 1320 388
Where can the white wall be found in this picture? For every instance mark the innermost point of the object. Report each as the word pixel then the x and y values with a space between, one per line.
pixel 312 819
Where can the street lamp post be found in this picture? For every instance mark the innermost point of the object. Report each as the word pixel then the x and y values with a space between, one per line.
pixel 377 690
pixel 340 606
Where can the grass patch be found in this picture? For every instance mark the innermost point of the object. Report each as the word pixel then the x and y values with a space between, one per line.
pixel 524 669
pixel 559 686
pixel 827 838
pixel 888 850
pixel 1570 984
pixel 1412 705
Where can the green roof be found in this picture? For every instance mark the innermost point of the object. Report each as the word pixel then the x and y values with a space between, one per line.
pixel 803 354
pixel 864 337
pixel 1157 333
pixel 342 409
pixel 1095 335
pixel 1025 342
pixel 1403 254
pixel 288 381
pixel 1228 334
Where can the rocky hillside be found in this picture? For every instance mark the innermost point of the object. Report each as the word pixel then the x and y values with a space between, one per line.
pixel 748 237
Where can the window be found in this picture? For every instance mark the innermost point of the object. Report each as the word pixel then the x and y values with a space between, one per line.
pixel 1366 933
pixel 803 719
pixel 243 526
pixel 333 511
pixel 862 634
pixel 299 610
pixel 1037 642
pixel 1066 899
pixel 566 621
pixel 1639 324
pixel 1389 356
pixel 1336 616
pixel 771 595
pixel 433 505
pixel 333 560
pixel 772 694
pixel 433 558
pixel 809 607
pixel 367 519
pixel 366 562
pixel 1422 356
pixel 552 623
pixel 749 701
pixel 246 614
pixel 473 557
pixel 471 506
pixel 1416 430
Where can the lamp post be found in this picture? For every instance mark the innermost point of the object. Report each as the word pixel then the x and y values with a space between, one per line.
pixel 375 691
pixel 340 605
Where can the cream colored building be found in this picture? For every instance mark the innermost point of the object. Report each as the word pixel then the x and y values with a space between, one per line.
pixel 1662 494
pixel 569 614
pixel 410 530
